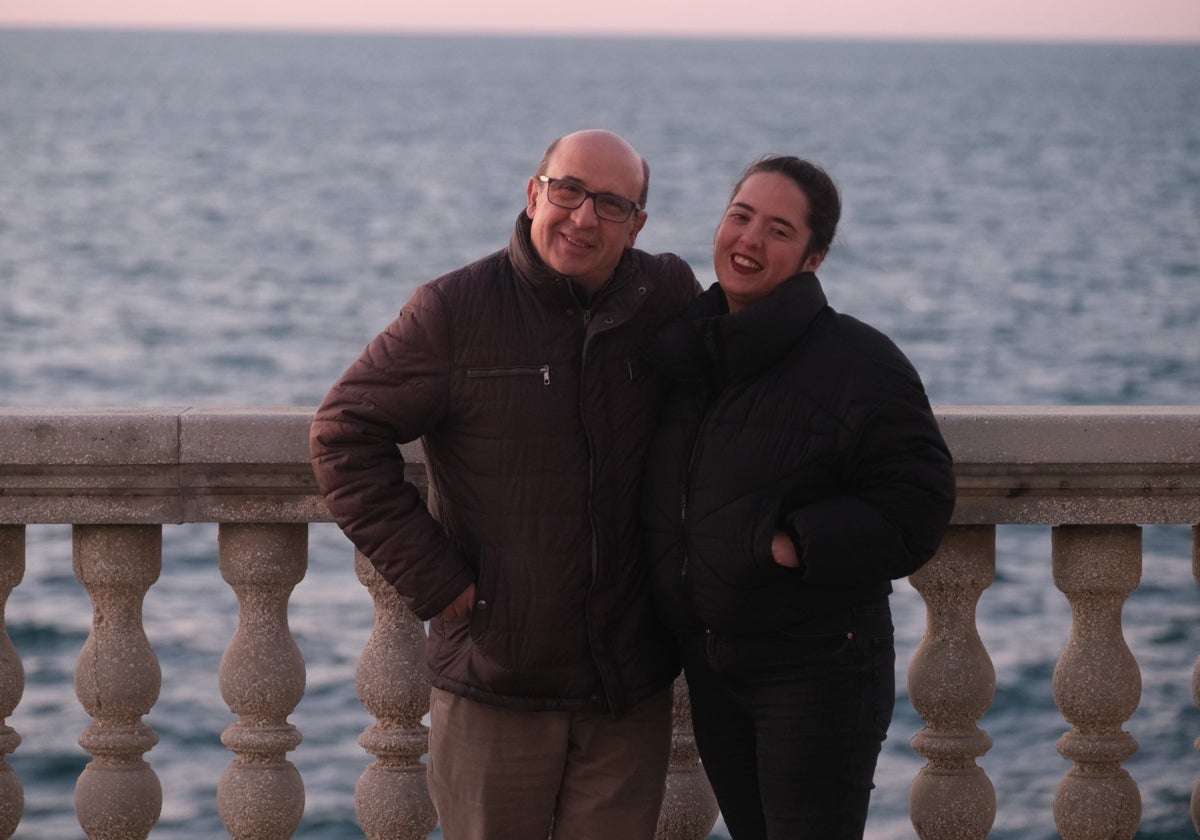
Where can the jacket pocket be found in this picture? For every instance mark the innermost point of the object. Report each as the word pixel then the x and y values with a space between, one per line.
pixel 542 371
pixel 635 368
pixel 766 523
pixel 485 593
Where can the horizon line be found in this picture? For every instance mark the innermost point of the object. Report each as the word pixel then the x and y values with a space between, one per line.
pixel 652 34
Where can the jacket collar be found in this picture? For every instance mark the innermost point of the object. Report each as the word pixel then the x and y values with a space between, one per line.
pixel 708 342
pixel 548 285
pixel 525 258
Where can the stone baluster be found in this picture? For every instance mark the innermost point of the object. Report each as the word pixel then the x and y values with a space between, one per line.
pixel 1097 683
pixel 689 808
pixel 262 679
pixel 391 799
pixel 12 679
pixel 1196 676
pixel 117 679
pixel 951 683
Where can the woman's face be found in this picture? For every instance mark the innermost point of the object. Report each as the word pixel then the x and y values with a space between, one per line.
pixel 762 239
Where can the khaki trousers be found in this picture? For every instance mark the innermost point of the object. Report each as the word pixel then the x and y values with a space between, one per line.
pixel 503 774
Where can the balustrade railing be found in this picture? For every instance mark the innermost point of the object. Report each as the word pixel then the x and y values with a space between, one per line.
pixel 1093 475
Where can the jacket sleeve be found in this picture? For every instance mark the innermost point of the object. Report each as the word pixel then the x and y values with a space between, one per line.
pixel 897 498
pixel 390 395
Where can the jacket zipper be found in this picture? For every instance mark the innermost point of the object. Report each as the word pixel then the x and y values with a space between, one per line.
pixel 685 489
pixel 683 566
pixel 586 315
pixel 516 370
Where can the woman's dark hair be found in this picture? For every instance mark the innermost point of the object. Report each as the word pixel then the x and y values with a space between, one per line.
pixel 824 203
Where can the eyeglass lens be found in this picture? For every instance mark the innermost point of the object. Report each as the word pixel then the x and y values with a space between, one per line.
pixel 614 208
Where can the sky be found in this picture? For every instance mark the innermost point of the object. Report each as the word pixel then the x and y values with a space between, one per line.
pixel 1005 20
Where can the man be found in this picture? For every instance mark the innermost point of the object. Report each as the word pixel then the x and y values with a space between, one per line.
pixel 522 374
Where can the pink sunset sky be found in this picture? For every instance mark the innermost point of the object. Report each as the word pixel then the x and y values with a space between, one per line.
pixel 1058 20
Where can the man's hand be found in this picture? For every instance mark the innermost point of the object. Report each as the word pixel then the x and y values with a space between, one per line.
pixel 461 606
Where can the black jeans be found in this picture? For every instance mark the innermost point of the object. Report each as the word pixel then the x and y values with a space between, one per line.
pixel 789 726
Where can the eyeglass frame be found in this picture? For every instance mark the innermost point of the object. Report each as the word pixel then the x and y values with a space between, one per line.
pixel 634 207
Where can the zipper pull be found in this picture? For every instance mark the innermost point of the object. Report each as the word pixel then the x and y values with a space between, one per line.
pixel 545 374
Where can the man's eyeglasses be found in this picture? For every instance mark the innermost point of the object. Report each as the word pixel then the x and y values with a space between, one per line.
pixel 569 196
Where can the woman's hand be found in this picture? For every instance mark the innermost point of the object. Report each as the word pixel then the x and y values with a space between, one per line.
pixel 784 550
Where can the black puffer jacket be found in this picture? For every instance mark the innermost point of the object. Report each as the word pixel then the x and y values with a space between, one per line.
pixel 535 415
pixel 788 416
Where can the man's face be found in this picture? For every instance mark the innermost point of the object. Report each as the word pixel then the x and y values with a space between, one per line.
pixel 577 243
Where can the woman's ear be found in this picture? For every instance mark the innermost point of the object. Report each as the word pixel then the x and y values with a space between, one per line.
pixel 813 261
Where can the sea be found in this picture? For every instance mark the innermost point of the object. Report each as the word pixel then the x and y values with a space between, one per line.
pixel 217 219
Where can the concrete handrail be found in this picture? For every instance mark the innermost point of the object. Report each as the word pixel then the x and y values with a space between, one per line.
pixel 1094 474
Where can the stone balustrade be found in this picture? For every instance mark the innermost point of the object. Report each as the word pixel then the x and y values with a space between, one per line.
pixel 1093 475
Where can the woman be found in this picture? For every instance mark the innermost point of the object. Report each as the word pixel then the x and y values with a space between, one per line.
pixel 798 470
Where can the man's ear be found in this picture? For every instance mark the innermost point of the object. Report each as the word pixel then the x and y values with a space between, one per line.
pixel 639 221
pixel 532 193
pixel 813 261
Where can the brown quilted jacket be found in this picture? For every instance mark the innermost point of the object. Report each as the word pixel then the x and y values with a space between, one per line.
pixel 535 414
